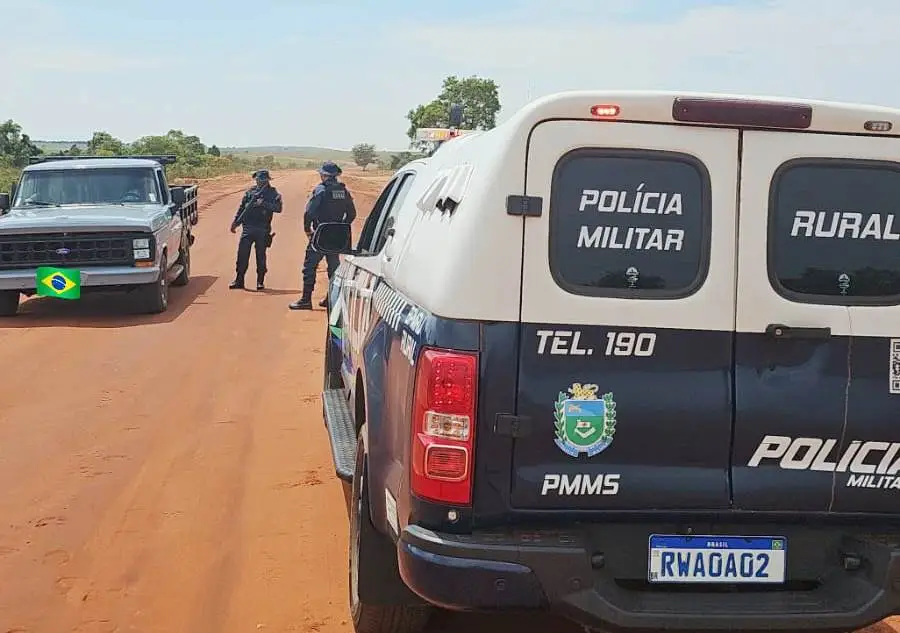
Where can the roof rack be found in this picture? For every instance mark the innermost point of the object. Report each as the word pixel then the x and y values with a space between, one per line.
pixel 162 159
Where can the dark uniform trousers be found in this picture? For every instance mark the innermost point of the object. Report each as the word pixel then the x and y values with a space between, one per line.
pixel 311 262
pixel 330 202
pixel 252 237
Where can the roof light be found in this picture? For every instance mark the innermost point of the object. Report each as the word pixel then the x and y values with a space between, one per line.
pixel 879 126
pixel 605 111
pixel 741 112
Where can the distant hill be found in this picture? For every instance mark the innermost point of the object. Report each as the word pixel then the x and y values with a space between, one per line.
pixel 55 146
pixel 285 152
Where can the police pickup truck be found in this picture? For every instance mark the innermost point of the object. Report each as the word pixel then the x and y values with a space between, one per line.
pixel 114 219
pixel 631 357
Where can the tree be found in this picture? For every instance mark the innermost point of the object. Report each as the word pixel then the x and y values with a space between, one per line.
pixel 15 147
pixel 477 95
pixel 364 154
pixel 214 151
pixel 105 144
pixel 399 160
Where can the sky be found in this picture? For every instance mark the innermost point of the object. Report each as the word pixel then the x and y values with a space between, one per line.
pixel 333 74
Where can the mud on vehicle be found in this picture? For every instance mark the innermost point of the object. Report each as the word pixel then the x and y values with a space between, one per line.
pixel 630 357
pixel 114 220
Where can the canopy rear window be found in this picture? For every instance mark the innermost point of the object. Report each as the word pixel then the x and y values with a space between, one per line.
pixel 629 223
pixel 834 231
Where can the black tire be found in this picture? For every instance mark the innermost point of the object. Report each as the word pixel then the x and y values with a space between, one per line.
pixel 9 303
pixel 154 297
pixel 184 258
pixel 373 618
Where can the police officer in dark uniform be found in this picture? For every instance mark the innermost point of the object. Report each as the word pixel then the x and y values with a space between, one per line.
pixel 330 202
pixel 254 215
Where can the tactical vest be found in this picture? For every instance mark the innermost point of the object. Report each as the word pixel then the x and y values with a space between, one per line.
pixel 335 205
pixel 256 216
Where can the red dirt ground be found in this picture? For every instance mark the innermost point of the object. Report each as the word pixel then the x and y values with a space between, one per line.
pixel 171 474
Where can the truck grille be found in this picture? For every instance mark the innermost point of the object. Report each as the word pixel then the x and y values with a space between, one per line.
pixel 68 249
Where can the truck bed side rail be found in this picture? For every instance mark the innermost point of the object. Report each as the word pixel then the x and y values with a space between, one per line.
pixel 190 208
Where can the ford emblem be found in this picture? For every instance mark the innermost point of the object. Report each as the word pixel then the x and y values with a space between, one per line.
pixel 62 251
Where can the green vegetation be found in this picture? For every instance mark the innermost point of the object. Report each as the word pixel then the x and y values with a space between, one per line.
pixel 364 154
pixel 195 159
pixel 477 96
pixel 8 176
pixel 15 150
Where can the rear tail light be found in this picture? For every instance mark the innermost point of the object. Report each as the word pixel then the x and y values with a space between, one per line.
pixel 443 426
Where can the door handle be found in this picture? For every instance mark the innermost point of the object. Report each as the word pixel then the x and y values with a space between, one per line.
pixel 389 238
pixel 779 331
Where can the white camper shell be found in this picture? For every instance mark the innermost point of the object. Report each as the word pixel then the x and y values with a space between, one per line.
pixel 458 252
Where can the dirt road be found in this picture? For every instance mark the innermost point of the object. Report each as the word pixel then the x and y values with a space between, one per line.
pixel 171 474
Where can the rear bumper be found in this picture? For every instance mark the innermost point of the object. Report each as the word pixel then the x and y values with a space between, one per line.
pixel 570 573
pixel 24 279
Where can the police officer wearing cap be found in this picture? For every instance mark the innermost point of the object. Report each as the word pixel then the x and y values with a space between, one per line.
pixel 330 202
pixel 254 215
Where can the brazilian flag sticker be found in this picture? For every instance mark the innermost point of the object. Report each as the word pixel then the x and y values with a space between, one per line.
pixel 62 283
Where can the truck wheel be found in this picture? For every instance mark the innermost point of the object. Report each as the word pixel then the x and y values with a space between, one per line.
pixel 373 618
pixel 155 296
pixel 184 258
pixel 9 303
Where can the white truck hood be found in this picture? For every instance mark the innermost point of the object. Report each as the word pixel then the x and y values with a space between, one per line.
pixel 83 218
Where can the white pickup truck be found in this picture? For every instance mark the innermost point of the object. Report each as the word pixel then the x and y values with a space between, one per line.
pixel 114 219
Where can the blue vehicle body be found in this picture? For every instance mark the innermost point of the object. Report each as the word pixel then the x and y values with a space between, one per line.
pixel 511 566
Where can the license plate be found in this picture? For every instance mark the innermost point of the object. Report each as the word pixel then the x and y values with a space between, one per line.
pixel 716 559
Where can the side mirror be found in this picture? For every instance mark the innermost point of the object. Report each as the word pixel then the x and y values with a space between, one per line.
pixel 333 238
pixel 177 194
pixel 4 202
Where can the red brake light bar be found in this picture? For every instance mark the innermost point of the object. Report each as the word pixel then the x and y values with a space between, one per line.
pixel 742 112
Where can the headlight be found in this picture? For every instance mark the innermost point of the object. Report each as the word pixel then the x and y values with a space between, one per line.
pixel 143 253
pixel 141 243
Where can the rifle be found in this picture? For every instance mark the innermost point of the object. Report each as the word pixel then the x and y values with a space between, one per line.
pixel 246 205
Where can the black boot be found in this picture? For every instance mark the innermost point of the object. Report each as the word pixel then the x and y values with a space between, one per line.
pixel 303 303
pixel 324 303
pixel 305 300
pixel 237 284
pixel 260 285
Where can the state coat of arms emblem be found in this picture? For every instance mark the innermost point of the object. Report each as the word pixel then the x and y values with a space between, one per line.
pixel 584 423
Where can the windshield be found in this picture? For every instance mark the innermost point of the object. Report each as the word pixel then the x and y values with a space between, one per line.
pixel 87 186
